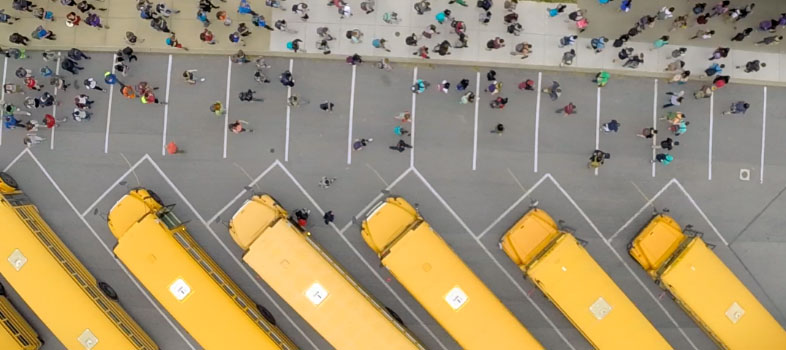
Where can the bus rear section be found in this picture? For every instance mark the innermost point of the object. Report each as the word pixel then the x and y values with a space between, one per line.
pixel 437 278
pixel 311 282
pixel 158 250
pixel 81 312
pixel 16 333
pixel 682 264
pixel 557 263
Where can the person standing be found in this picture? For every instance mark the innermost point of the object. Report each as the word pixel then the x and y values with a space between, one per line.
pixel 236 127
pixel 328 217
pixel 647 133
pixel 569 109
pixel 663 158
pixel 667 144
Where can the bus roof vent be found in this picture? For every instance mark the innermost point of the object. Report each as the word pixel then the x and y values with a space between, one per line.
pixel 600 308
pixel 87 339
pixel 735 312
pixel 17 259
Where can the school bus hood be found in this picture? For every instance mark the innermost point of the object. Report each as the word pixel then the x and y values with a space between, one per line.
pixel 257 214
pixel 530 235
pixel 656 242
pixel 387 221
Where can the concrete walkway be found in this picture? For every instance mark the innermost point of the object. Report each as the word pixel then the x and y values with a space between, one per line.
pixel 539 30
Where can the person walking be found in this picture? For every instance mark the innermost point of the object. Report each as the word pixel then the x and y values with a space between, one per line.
pixel 328 217
pixel 612 126
pixel 569 109
pixel 597 159
pixel 663 158
pixel 401 146
pixel 237 126
pixel 753 66
pixel 248 96
pixel 739 107
pixel 91 84
pixel 667 144
pixel 675 99
pixel 190 78
pixel 217 108
pixel 770 40
pixel 647 133
pixel 359 144
pixel 498 129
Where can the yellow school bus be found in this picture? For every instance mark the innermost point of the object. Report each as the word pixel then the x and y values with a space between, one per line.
pixel 158 250
pixel 310 281
pixel 682 264
pixel 432 272
pixel 17 334
pixel 563 270
pixel 81 312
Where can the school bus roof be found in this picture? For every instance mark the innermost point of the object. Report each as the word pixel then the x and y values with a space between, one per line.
pixel 385 222
pixel 316 287
pixel 719 301
pixel 252 218
pixel 429 269
pixel 528 237
pixel 599 309
pixel 656 242
pixel 185 290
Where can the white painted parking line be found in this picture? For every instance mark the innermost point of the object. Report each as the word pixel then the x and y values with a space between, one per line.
pixel 226 106
pixel 289 112
pixel 241 193
pixel 492 257
pixel 109 251
pixel 166 106
pixel 624 263
pixel 14 160
pixel 763 135
pixel 475 138
pixel 654 121
pixel 701 212
pixel 229 252
pixel 120 179
pixel 357 253
pixel 2 92
pixel 412 113
pixel 351 114
pixel 597 125
pixel 712 120
pixel 54 108
pixel 537 121
pixel 512 206
pixel 643 207
pixel 109 109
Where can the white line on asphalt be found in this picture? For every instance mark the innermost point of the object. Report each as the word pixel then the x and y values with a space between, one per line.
pixel 14 161
pixel 512 206
pixel 226 107
pixel 493 258
pixel 701 212
pixel 109 109
pixel 763 135
pixel 138 183
pixel 54 108
pixel 166 106
pixel 108 250
pixel 537 121
pixel 712 119
pixel 376 199
pixel 523 189
pixel 412 113
pixel 624 263
pixel 441 200
pixel 357 253
pixel 654 122
pixel 597 125
pixel 475 138
pixel 117 182
pixel 2 92
pixel 229 252
pixel 289 111
pixel 645 206
pixel 379 176
pixel 241 193
pixel 351 114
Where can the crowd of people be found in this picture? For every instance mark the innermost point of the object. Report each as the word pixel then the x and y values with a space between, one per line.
pixel 429 41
